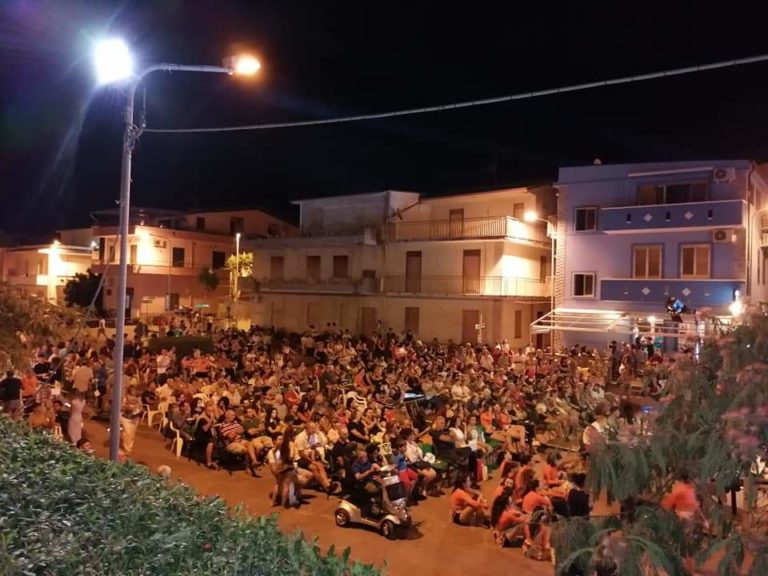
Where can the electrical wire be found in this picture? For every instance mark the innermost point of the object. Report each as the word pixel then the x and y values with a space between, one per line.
pixel 471 103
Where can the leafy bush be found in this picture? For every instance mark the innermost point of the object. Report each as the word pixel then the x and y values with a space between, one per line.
pixel 65 513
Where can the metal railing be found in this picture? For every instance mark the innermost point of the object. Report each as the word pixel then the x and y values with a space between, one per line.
pixel 462 286
pixel 333 285
pixel 465 229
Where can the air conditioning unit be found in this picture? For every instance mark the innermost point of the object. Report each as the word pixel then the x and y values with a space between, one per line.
pixel 724 175
pixel 723 236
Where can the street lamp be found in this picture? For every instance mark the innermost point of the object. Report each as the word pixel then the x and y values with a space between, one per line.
pixel 531 216
pixel 237 275
pixel 114 65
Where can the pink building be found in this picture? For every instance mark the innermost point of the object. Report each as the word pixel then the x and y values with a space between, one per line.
pixel 167 252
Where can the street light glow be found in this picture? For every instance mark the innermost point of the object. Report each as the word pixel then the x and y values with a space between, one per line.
pixel 736 308
pixel 244 65
pixel 112 61
pixel 530 216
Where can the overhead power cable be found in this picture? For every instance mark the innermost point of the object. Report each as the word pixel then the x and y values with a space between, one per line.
pixel 471 103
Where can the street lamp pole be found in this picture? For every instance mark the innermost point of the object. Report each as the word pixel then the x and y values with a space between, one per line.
pixel 237 276
pixel 131 134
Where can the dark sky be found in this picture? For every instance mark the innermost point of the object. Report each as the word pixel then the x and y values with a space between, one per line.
pixel 60 137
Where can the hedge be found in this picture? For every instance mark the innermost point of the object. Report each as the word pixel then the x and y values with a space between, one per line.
pixel 63 512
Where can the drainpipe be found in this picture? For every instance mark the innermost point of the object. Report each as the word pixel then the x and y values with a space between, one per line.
pixel 748 245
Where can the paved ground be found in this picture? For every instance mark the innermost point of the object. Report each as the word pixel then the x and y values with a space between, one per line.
pixel 437 546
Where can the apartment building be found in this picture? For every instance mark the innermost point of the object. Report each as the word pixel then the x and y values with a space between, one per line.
pixel 168 250
pixel 632 236
pixel 44 269
pixel 462 268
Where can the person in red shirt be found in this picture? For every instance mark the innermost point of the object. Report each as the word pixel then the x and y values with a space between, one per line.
pixel 682 500
pixel 508 520
pixel 538 507
pixel 468 509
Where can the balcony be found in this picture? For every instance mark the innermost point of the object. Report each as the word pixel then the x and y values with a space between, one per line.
pixel 494 227
pixel 495 286
pixel 660 217
pixel 322 286
pixel 694 292
pixel 338 237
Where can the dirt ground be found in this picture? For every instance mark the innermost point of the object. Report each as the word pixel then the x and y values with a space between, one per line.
pixel 437 546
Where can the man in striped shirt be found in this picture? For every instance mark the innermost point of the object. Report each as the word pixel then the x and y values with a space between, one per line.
pixel 231 433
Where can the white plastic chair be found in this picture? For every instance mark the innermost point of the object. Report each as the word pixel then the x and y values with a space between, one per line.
pixel 162 409
pixel 147 415
pixel 177 442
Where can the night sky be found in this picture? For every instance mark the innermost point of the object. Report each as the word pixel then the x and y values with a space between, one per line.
pixel 60 136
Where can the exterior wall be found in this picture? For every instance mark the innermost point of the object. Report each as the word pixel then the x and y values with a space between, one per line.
pixel 345 214
pixel 255 223
pixel 623 223
pixel 149 292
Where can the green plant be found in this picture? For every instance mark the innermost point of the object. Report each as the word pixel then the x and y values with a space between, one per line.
pixel 83 289
pixel 66 513
pixel 208 279
pixel 711 424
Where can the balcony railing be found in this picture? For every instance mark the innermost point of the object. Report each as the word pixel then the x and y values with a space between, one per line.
pixel 711 214
pixel 461 286
pixel 504 227
pixel 326 285
pixel 694 292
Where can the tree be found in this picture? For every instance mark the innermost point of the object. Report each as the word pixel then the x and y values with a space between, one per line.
pixel 245 265
pixel 81 290
pixel 208 279
pixel 26 321
pixel 711 424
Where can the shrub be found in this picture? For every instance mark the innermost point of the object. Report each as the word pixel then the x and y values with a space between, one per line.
pixel 63 512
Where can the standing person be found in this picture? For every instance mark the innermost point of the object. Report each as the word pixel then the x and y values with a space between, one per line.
pixel 75 423
pixel 131 411
pixel 82 377
pixel 10 394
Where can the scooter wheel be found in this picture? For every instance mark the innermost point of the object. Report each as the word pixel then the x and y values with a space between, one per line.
pixel 341 517
pixel 388 529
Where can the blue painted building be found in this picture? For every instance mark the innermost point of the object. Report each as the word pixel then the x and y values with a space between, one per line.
pixel 630 236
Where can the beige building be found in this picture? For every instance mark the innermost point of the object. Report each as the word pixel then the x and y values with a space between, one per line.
pixel 44 269
pixel 462 268
pixel 167 252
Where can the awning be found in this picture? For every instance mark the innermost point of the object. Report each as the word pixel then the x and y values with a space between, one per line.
pixel 625 323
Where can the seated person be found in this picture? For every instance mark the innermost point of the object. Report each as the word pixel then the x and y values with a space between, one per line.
pixel 231 433
pixel 365 474
pixel 578 499
pixel 408 476
pixel 552 475
pixel 415 456
pixel 507 520
pixel 467 507
pixel 311 445
pixel 40 419
pixel 445 445
pixel 61 417
pixel 538 507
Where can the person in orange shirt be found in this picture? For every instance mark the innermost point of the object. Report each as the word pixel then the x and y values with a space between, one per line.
pixel 467 508
pixel 508 520
pixel 539 508
pixel 682 500
pixel 29 384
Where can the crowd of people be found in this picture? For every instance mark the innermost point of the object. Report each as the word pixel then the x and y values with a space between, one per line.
pixel 328 411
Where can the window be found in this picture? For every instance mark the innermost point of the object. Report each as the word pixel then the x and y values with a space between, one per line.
pixel 678 193
pixel 412 319
pixel 276 267
pixel 586 219
pixel 173 301
pixel 313 267
pixel 111 253
pixel 200 223
pixel 133 254
pixel 518 211
pixel 694 261
pixel 518 324
pixel 218 259
pixel 584 284
pixel 647 262
pixel 236 224
pixel 341 266
pixel 177 258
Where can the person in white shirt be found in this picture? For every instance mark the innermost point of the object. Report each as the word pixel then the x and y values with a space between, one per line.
pixel 460 391
pixel 82 376
pixel 163 362
pixel 311 445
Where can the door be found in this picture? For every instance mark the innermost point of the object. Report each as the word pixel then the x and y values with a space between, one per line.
pixel 276 268
pixel 128 302
pixel 543 268
pixel 368 321
pixel 313 269
pixel 456 223
pixel 412 319
pixel 471 272
pixel 413 272
pixel 469 320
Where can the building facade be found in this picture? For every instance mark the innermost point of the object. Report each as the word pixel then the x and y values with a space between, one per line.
pixel 44 269
pixel 632 236
pixel 462 268
pixel 167 252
